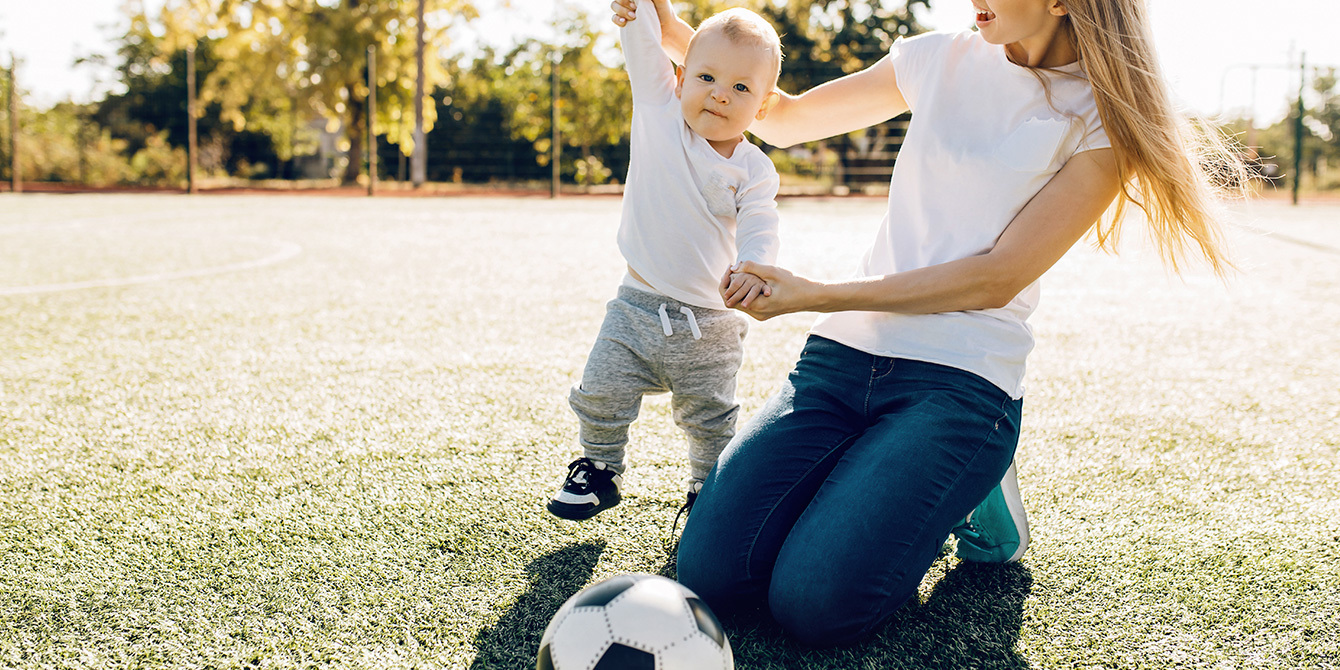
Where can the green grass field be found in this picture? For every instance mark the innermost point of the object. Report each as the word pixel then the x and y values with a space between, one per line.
pixel 285 432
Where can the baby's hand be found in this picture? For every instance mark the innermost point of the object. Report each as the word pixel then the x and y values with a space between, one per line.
pixel 624 11
pixel 740 288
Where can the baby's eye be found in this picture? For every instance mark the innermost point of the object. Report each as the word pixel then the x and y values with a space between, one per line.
pixel 706 77
pixel 742 88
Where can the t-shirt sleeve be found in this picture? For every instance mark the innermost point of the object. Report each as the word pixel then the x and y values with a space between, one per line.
pixel 1095 137
pixel 756 221
pixel 650 73
pixel 912 57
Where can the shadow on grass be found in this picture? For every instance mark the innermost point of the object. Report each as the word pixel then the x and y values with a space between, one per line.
pixel 972 619
pixel 554 577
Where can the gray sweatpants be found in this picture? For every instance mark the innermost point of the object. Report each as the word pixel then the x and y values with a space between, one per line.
pixel 634 356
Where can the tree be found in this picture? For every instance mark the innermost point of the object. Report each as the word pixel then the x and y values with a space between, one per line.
pixel 154 101
pixel 474 140
pixel 1277 144
pixel 5 92
pixel 419 151
pixel 595 103
pixel 1325 115
pixel 826 39
pixel 282 62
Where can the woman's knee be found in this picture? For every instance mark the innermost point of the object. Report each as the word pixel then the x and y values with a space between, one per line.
pixel 828 610
pixel 715 579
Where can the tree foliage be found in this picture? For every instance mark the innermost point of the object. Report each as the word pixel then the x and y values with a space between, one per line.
pixel 281 62
pixel 1277 144
pixel 268 69
pixel 594 104
pixel 65 144
pixel 821 41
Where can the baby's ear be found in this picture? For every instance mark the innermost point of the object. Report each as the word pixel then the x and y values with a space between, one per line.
pixel 679 78
pixel 768 103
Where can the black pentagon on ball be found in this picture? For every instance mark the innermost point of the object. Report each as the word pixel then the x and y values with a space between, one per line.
pixel 620 657
pixel 707 621
pixel 546 660
pixel 601 593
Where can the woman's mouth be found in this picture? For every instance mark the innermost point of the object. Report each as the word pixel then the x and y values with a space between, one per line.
pixel 985 17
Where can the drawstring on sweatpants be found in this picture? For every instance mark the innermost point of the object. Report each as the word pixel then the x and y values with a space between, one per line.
pixel 665 321
pixel 693 322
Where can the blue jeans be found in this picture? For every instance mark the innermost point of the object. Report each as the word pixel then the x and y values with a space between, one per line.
pixel 834 500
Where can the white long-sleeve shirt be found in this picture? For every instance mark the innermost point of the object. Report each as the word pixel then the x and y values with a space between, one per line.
pixel 689 213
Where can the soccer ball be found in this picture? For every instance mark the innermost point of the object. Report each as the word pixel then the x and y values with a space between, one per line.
pixel 634 622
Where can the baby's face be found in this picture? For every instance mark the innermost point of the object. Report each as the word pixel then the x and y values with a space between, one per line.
pixel 723 86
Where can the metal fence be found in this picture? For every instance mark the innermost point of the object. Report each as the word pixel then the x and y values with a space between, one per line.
pixel 99 145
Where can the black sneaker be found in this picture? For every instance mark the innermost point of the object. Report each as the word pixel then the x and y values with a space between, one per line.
pixel 590 488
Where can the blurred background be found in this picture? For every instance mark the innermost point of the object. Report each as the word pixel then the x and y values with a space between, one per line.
pixel 455 96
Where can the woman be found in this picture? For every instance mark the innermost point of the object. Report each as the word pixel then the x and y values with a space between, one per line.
pixel 899 423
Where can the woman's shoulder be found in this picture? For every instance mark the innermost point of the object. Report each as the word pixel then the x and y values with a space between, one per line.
pixel 940 45
pixel 943 39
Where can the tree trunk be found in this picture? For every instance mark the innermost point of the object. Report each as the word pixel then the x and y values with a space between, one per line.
pixel 419 164
pixel 354 132
pixel 354 129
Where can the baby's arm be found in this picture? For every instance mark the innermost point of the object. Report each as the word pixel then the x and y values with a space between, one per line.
pixel 756 237
pixel 675 33
pixel 650 74
pixel 756 220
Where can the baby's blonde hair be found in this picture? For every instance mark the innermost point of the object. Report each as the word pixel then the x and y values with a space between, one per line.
pixel 1171 169
pixel 744 27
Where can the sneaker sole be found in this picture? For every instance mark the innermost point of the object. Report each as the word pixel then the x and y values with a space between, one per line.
pixel 567 512
pixel 1009 485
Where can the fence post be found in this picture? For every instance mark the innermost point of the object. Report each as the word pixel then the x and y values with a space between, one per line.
pixel 15 172
pixel 419 162
pixel 191 155
pixel 555 151
pixel 1298 129
pixel 371 143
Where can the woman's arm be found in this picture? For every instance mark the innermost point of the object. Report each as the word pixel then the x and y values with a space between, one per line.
pixel 858 100
pixel 855 101
pixel 1051 223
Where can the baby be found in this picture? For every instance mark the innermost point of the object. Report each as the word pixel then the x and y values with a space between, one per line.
pixel 699 198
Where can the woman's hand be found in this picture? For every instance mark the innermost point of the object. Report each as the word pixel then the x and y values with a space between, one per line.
pixel 624 11
pixel 786 292
pixel 741 288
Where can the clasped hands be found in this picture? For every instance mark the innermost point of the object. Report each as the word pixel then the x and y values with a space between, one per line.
pixel 750 288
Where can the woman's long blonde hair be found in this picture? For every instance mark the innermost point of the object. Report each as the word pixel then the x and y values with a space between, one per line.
pixel 1173 170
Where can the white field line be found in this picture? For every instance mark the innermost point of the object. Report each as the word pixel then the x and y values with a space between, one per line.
pixel 286 251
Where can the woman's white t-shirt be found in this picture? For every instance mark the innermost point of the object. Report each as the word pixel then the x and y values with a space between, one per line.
pixel 984 138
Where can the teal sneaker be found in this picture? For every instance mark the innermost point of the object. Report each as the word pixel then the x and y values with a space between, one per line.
pixel 997 531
